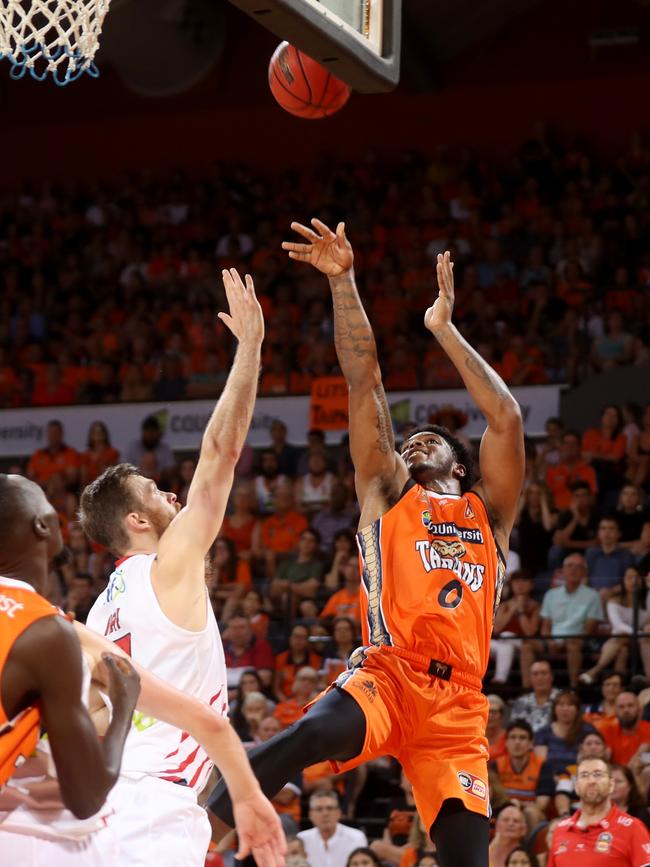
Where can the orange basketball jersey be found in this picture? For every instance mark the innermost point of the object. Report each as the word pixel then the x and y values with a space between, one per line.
pixel 431 578
pixel 20 606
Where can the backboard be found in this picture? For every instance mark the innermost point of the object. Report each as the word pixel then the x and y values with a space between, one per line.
pixel 357 40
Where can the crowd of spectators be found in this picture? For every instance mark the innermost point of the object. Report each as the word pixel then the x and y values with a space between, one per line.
pixel 109 291
pixel 110 294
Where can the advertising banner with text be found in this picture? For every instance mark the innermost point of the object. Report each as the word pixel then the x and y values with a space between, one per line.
pixel 22 431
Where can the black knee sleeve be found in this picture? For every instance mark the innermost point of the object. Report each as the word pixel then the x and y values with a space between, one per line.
pixel 461 836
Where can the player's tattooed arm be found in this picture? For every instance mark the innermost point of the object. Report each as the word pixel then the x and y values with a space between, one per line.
pixel 372 443
pixel 501 455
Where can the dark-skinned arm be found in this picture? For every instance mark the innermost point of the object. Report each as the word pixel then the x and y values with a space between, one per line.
pixel 501 457
pixel 87 768
pixel 372 444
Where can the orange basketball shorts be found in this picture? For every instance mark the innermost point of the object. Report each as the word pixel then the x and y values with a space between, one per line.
pixel 435 728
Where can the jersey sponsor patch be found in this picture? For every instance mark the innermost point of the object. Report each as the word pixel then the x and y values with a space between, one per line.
pixel 604 842
pixel 116 586
pixel 450 528
pixel 474 785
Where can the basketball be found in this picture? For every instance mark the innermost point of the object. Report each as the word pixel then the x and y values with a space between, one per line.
pixel 302 86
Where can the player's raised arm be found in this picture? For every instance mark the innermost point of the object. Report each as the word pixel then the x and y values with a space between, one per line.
pixel 501 457
pixel 186 541
pixel 372 444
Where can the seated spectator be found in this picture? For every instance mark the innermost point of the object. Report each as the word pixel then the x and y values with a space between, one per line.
pixel 495 731
pixel 627 736
pixel 518 769
pixel 329 842
pixel 287 800
pixel 520 857
pixel 345 602
pixel 315 444
pixel 607 561
pixel 604 448
pixel 136 386
pixel 290 661
pixel 577 527
pixel 80 597
pixel 313 489
pixel 229 577
pixel 639 458
pixel 250 681
pixel 300 576
pixel 363 857
pixel 334 518
pixel 99 453
pixel 572 609
pixel 207 381
pixel 171 383
pixel 620 614
pixel 626 794
pixel 344 547
pixel 252 606
pixel 304 690
pixel 611 685
pixel 280 533
pixel 454 419
pixel 535 707
pixel 243 649
pixel 557 744
pixel 255 708
pixel 267 482
pixel 523 363
pixel 534 525
pixel 151 444
pixel 345 640
pixel 571 468
pixel 509 831
pixel 401 816
pixel 419 845
pixel 241 524
pixel 632 516
pixel 51 389
pixel 518 615
pixel 559 786
pixel 548 450
pixel 55 458
pixel 287 455
pixel 614 347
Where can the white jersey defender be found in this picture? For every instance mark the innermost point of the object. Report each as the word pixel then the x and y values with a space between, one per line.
pixel 128 613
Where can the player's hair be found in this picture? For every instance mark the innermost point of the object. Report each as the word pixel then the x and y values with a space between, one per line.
pixel 104 505
pixel 521 724
pixel 461 453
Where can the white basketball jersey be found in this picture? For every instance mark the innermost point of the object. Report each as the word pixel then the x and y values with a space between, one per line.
pixel 128 613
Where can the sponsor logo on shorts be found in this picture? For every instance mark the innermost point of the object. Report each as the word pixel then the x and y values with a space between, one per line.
pixel 604 842
pixel 474 785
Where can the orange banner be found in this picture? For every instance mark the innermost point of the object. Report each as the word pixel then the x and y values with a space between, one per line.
pixel 328 409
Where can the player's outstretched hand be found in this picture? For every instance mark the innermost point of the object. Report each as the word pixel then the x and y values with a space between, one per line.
pixel 439 314
pixel 329 251
pixel 244 318
pixel 260 831
pixel 123 681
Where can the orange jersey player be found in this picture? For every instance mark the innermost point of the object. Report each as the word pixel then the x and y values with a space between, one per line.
pixel 432 544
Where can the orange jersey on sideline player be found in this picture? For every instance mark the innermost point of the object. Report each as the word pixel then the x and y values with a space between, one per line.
pixel 20 606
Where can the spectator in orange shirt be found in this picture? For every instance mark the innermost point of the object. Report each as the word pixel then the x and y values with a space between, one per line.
pixel 50 390
pixel 345 602
pixel 56 458
pixel 280 533
pixel 230 577
pixel 522 363
pixel 292 660
pixel 99 454
pixel 304 690
pixel 571 468
pixel 628 735
pixel 604 447
pixel 242 525
pixel 253 607
pixel 495 730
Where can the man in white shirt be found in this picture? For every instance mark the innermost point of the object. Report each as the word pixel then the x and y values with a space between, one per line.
pixel 329 843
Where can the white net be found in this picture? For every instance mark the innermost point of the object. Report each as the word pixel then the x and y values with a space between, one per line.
pixel 58 38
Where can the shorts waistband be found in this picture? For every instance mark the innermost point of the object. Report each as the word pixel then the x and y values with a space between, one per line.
pixel 436 668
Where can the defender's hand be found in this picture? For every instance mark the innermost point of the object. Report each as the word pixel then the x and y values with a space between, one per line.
pixel 260 831
pixel 329 252
pixel 439 314
pixel 245 318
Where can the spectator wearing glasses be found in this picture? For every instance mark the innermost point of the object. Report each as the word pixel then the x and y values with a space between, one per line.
pixel 599 832
pixel 329 843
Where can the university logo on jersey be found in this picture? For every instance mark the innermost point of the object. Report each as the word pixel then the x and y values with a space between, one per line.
pixel 116 586
pixel 450 528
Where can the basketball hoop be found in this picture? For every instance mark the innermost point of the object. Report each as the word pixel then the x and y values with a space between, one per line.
pixel 51 37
